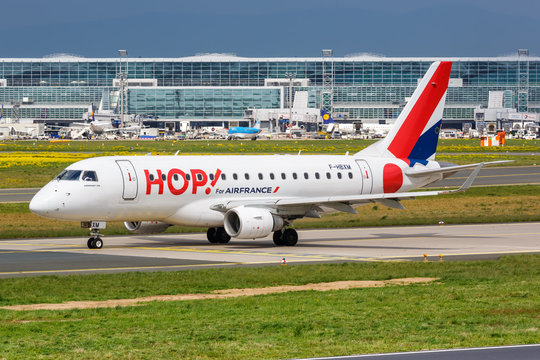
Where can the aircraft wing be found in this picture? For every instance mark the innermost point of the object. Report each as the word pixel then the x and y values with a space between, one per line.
pixel 342 202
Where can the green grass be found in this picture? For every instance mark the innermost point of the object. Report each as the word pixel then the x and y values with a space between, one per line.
pixel 480 303
pixel 477 205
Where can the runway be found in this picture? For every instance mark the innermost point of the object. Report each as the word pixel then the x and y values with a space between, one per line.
pixel 168 252
pixel 488 176
pixel 518 352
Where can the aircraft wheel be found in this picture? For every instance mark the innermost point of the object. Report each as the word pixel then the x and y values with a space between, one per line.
pixel 98 243
pixel 278 238
pixel 211 235
pixel 90 243
pixel 290 237
pixel 222 236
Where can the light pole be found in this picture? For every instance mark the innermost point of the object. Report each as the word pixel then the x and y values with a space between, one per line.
pixel 123 83
pixel 290 76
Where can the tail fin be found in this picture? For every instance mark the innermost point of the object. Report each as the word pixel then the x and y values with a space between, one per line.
pixel 327 119
pixel 415 134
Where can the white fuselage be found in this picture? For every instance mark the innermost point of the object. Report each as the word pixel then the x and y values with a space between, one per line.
pixel 183 189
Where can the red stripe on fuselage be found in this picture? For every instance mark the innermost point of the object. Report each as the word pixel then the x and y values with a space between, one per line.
pixel 411 129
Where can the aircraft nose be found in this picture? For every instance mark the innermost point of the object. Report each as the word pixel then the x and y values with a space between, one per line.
pixel 38 206
pixel 41 204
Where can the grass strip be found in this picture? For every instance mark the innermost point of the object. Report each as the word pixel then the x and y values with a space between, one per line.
pixel 475 303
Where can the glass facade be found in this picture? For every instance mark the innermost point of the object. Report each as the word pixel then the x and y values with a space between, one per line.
pixel 223 87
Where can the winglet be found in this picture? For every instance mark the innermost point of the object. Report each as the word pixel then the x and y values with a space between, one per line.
pixel 467 184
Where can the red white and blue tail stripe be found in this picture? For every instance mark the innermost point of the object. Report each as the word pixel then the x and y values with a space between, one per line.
pixel 414 136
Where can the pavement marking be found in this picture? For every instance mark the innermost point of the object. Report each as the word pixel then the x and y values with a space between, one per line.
pixel 118 268
pixel 244 252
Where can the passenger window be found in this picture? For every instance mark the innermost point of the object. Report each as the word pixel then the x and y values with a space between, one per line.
pixel 294 176
pixel 211 176
pixel 306 175
pixel 223 177
pixel 328 175
pixel 246 175
pixel 89 176
pixel 272 176
pixel 339 175
pixel 317 176
pixel 175 177
pixel 283 176
pixel 188 177
pixel 199 177
pixel 260 176
pixel 151 177
pixel 163 177
pixel 350 175
pixel 235 177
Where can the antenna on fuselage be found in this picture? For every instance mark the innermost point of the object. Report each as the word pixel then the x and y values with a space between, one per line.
pixel 347 153
pixel 176 153
pixel 299 151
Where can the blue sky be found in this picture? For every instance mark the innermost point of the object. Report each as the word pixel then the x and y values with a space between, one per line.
pixel 293 28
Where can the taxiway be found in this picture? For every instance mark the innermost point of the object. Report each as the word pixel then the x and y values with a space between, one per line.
pixel 30 257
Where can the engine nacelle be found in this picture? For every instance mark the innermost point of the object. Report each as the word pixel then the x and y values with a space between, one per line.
pixel 146 227
pixel 250 223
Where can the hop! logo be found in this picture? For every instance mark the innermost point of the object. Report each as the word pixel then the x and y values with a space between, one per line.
pixel 178 181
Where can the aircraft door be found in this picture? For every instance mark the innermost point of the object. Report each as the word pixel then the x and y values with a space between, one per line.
pixel 367 178
pixel 129 179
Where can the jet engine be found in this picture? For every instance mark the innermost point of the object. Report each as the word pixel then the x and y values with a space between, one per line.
pixel 250 223
pixel 146 227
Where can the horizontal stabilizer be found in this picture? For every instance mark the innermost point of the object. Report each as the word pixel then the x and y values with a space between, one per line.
pixel 450 169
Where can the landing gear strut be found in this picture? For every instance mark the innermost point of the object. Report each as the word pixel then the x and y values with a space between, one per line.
pixel 95 241
pixel 217 235
pixel 285 237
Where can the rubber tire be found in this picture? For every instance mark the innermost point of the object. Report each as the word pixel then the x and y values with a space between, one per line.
pixel 90 243
pixel 98 243
pixel 211 235
pixel 278 238
pixel 290 237
pixel 222 236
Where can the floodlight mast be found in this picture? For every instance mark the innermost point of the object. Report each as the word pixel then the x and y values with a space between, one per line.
pixel 123 83
pixel 327 91
pixel 291 77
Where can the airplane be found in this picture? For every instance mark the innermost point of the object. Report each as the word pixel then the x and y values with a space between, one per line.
pixel 244 132
pixel 253 196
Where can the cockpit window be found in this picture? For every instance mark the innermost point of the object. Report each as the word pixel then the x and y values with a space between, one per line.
pixel 89 176
pixel 69 175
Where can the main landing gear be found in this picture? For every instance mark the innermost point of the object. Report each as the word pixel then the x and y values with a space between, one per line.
pixel 285 237
pixel 95 241
pixel 217 235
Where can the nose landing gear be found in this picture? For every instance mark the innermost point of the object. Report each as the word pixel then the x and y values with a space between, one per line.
pixel 95 241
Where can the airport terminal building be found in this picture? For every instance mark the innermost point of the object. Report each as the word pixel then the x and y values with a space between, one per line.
pixel 217 89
